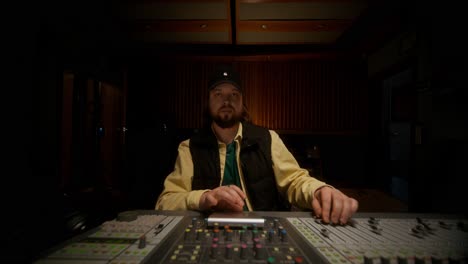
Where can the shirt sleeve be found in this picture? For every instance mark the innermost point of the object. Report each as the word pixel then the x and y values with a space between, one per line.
pixel 178 193
pixel 293 181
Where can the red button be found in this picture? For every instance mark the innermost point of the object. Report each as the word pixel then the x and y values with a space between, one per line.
pixel 298 260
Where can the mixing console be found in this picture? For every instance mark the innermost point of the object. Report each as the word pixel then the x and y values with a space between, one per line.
pixel 268 237
pixel 387 240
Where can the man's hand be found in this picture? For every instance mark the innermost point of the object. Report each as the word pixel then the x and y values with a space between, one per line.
pixel 223 198
pixel 333 206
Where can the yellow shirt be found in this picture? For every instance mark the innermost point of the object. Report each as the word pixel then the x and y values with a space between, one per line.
pixel 291 179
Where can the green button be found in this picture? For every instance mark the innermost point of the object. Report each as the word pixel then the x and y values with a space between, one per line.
pixel 271 260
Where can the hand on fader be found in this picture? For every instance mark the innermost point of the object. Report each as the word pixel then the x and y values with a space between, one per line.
pixel 223 198
pixel 333 206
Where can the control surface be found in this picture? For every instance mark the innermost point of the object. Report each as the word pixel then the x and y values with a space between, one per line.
pixel 268 237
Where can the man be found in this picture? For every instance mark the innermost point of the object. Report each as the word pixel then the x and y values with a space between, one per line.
pixel 234 165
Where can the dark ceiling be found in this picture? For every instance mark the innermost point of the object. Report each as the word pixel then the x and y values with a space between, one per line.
pixel 148 27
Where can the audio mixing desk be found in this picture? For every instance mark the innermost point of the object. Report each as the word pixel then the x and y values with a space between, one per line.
pixel 267 237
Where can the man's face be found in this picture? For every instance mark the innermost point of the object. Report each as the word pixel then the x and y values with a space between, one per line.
pixel 225 105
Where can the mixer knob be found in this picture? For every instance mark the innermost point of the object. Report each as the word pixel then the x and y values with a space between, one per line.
pixel 228 253
pixel 424 224
pixel 325 232
pixel 216 233
pixel 142 242
pixel 298 260
pixel 199 235
pixel 229 235
pixel 187 234
pixel 255 234
pixel 214 251
pixel 275 223
pixel 373 221
pixel 260 251
pixel 158 229
pixel 417 232
pixel 445 225
pixel 256 241
pixel 279 229
pixel 284 237
pixel 420 228
pixel 376 229
pixel 244 251
pixel 243 236
pixel 271 235
pixel 271 260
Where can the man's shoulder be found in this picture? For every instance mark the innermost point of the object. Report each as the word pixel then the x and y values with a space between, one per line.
pixel 259 130
pixel 264 131
pixel 253 127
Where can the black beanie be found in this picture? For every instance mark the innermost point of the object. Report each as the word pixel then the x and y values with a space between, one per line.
pixel 224 74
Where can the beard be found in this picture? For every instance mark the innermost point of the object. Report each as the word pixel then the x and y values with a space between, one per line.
pixel 226 120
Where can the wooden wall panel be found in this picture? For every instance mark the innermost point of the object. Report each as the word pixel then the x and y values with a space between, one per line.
pixel 316 96
pixel 320 96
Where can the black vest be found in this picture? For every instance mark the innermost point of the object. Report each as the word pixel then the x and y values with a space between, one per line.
pixel 256 166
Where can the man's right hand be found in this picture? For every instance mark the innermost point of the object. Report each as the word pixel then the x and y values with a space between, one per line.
pixel 223 198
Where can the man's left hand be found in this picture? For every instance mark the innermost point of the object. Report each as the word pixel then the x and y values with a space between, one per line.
pixel 333 206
